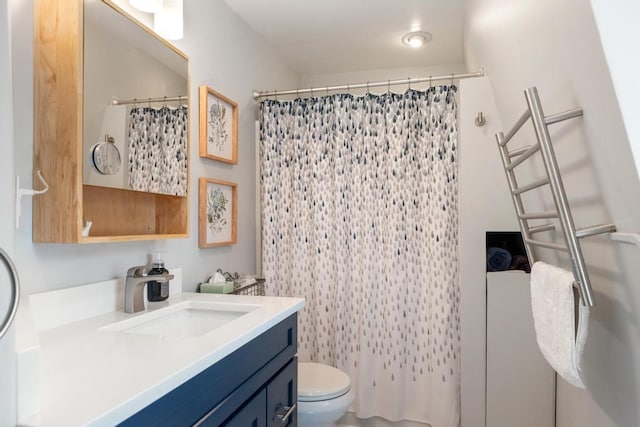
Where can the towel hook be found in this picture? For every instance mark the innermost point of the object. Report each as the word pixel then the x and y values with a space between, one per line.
pixel 27 192
pixel 480 120
pixel 409 83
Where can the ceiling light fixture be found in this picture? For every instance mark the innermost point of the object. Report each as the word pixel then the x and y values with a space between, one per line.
pixel 148 6
pixel 416 39
pixel 168 22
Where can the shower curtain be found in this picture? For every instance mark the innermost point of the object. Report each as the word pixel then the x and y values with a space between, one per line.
pixel 359 216
pixel 158 150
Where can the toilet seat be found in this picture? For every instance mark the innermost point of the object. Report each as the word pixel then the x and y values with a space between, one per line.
pixel 317 382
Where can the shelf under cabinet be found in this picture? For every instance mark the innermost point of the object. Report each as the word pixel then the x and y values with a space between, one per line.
pixel 124 214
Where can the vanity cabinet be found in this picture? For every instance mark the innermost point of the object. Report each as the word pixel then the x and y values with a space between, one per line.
pixel 253 386
pixel 60 214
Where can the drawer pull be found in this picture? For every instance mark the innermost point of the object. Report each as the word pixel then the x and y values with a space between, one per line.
pixel 284 418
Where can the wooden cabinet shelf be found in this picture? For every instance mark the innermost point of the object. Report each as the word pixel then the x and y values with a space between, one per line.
pixel 59 214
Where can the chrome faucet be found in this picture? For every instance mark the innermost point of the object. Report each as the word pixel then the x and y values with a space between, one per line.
pixel 137 277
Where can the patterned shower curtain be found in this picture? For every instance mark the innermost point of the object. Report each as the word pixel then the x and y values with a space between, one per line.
pixel 158 150
pixel 359 216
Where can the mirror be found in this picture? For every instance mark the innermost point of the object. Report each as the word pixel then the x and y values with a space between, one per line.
pixel 135 114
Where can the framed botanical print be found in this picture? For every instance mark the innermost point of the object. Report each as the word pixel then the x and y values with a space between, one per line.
pixel 217 213
pixel 218 126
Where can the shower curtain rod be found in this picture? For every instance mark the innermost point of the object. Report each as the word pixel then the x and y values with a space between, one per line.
pixel 116 101
pixel 257 95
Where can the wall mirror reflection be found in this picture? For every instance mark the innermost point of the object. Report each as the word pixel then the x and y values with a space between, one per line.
pixel 135 122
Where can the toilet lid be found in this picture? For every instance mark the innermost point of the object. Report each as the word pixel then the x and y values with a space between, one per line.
pixel 321 382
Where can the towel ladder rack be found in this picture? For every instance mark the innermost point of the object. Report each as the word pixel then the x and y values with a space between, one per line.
pixel 513 159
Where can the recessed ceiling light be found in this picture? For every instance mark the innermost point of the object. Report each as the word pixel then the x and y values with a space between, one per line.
pixel 416 39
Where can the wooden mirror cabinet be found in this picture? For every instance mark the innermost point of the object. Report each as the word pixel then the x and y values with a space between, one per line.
pixel 60 214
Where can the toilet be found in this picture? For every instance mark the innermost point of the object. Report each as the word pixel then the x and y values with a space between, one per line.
pixel 324 395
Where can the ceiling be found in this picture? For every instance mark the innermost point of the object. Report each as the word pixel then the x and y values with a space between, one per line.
pixel 339 36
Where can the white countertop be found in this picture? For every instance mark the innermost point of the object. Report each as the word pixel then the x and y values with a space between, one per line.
pixel 99 377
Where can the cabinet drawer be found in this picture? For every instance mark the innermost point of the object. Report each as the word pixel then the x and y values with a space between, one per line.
pixel 273 406
pixel 282 397
pixel 221 389
pixel 253 414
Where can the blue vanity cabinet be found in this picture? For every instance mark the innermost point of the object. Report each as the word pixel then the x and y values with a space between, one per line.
pixel 249 387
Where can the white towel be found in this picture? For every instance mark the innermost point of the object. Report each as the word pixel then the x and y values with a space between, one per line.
pixel 553 306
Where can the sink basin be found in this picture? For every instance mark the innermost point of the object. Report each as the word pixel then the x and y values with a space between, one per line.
pixel 184 320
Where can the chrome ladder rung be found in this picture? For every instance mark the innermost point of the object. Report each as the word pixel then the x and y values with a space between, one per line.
pixel 518 151
pixel 521 121
pixel 595 230
pixel 549 245
pixel 539 215
pixel 570 114
pixel 541 228
pixel 524 156
pixel 531 186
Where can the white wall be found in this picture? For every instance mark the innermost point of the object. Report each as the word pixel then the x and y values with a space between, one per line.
pixel 556 47
pixel 7 344
pixel 226 55
pixel 485 205
pixel 617 22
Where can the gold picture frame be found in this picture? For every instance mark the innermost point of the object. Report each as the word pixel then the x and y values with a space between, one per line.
pixel 217 213
pixel 218 126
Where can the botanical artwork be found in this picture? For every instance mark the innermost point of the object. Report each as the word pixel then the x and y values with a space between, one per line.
pixel 217 133
pixel 218 126
pixel 217 204
pixel 218 212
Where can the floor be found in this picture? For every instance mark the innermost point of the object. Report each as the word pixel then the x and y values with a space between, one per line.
pixel 350 420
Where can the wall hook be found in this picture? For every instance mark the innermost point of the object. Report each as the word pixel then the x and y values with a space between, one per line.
pixel 480 120
pixel 27 192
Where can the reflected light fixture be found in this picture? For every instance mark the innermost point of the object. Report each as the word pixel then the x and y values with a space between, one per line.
pixel 416 39
pixel 148 6
pixel 167 21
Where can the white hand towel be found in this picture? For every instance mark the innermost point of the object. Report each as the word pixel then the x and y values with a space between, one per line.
pixel 553 306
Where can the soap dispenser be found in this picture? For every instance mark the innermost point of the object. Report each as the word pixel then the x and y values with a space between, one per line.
pixel 157 291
